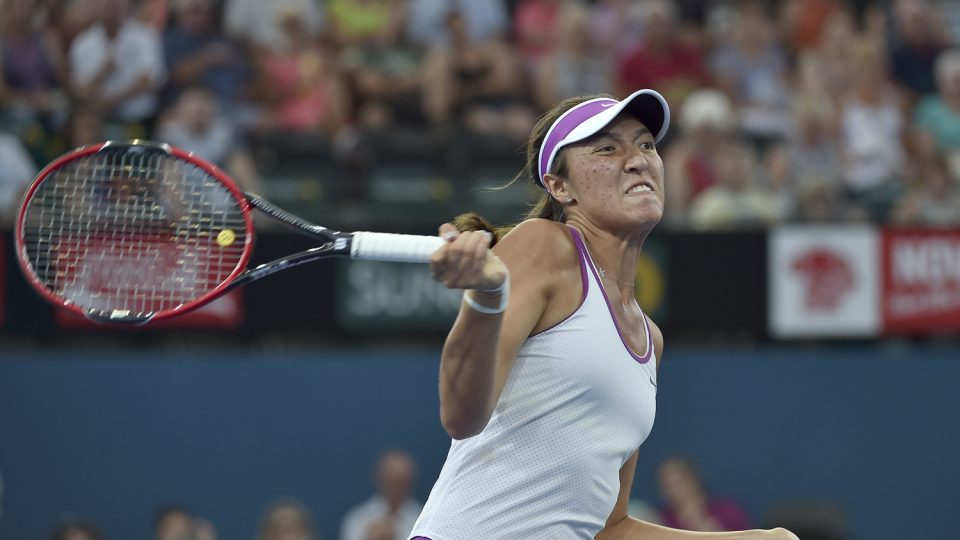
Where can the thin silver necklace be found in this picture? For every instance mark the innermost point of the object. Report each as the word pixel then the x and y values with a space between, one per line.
pixel 603 274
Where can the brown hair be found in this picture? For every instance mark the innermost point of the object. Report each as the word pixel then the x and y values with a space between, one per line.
pixel 545 207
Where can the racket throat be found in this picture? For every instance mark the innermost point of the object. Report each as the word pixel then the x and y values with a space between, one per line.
pixel 119 316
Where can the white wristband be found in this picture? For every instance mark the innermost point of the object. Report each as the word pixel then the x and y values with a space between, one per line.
pixel 503 289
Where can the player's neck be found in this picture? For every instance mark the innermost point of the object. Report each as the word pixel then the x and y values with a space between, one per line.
pixel 615 256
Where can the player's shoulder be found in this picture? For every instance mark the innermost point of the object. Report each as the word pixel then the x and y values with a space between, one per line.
pixel 542 239
pixel 541 233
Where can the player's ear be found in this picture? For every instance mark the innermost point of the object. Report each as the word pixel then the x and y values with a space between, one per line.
pixel 558 189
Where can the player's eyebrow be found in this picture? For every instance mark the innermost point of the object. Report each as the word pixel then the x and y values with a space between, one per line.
pixel 640 132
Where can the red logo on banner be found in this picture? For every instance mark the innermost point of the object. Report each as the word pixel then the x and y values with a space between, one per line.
pixel 225 312
pixel 921 278
pixel 827 275
pixel 112 280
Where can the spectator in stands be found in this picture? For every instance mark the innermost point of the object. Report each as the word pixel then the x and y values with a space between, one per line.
pixel 777 178
pixel 573 66
pixel 483 20
pixel 287 519
pixel 196 52
pixel 117 67
pixel 616 26
pixel 392 511
pixel 176 522
pixel 259 24
pixel 689 506
pixel 662 60
pixel 83 127
pixel 155 13
pixel 67 19
pixel 752 68
pixel 737 200
pixel 812 164
pixel 76 529
pixel 706 120
pixel 824 69
pixel 939 114
pixel 872 135
pixel 300 83
pixel 354 23
pixel 536 29
pixel 805 22
pixel 382 67
pixel 196 123
pixel 478 82
pixel 917 36
pixel 31 73
pixel 17 170
pixel 933 200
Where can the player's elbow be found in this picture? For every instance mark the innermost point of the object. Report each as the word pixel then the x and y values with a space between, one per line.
pixel 460 425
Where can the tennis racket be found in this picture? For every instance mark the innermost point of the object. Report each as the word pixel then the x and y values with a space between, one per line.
pixel 132 232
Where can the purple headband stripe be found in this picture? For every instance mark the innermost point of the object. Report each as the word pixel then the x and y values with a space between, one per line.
pixel 567 123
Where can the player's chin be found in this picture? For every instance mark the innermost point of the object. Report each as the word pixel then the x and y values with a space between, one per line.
pixel 649 213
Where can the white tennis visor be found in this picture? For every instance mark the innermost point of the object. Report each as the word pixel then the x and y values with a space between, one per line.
pixel 587 118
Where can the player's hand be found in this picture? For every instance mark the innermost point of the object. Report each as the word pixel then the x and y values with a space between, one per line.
pixel 465 261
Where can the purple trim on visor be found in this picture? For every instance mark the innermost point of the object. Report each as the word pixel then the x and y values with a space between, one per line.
pixel 567 123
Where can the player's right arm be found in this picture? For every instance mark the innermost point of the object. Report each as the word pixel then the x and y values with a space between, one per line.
pixel 480 349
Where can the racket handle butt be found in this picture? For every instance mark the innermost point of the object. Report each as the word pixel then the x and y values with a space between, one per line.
pixel 373 246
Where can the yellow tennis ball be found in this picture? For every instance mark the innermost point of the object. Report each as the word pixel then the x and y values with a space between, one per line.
pixel 226 237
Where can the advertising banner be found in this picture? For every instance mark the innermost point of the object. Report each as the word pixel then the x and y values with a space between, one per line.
pixel 824 281
pixel 226 313
pixel 393 296
pixel 652 280
pixel 921 281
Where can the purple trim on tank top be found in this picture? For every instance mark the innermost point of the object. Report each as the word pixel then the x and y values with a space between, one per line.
pixel 419 538
pixel 582 248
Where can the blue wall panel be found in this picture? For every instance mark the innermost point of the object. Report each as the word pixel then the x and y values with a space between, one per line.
pixel 109 435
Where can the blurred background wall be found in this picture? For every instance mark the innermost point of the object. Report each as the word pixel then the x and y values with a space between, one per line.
pixel 867 430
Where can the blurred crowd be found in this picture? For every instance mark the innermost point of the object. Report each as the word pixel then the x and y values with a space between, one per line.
pixel 391 511
pixel 783 111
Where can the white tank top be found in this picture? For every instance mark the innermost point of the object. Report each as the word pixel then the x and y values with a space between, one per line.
pixel 577 403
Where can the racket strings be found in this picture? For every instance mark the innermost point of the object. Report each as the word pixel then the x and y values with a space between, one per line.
pixel 132 231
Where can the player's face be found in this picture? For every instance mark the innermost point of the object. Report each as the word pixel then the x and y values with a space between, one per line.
pixel 616 176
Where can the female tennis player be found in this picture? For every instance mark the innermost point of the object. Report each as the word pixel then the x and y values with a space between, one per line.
pixel 548 376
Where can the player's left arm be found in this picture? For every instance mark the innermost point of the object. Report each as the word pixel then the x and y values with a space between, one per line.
pixel 619 512
pixel 620 526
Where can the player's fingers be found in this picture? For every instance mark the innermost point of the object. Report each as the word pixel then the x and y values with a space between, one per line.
pixel 460 263
pixel 448 232
pixel 482 248
pixel 441 257
pixel 469 265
